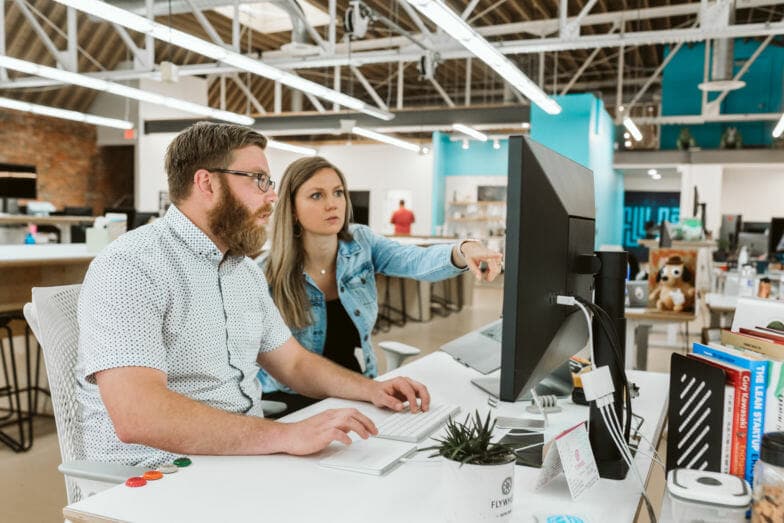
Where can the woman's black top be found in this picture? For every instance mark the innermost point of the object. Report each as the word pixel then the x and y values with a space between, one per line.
pixel 342 337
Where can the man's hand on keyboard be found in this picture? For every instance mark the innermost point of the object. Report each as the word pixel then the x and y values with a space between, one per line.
pixel 392 393
pixel 317 432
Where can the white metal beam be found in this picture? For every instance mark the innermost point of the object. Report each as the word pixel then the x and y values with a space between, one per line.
pixel 369 88
pixel 249 94
pixel 469 9
pixel 414 16
pixel 278 97
pixel 336 86
pixel 3 72
pixel 205 24
pixel 468 82
pixel 443 93
pixel 58 55
pixel 297 10
pixel 742 70
pixel 72 48
pixel 654 76
pixel 695 119
pixel 138 54
pixel 399 99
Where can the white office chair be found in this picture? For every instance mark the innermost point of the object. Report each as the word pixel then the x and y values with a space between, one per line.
pixel 395 352
pixel 52 318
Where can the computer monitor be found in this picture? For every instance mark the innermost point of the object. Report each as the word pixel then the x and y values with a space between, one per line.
pixel 756 243
pixel 775 236
pixel 730 228
pixel 77 211
pixel 16 181
pixel 550 223
pixel 142 218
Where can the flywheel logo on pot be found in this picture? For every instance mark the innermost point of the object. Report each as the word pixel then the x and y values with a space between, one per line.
pixel 506 486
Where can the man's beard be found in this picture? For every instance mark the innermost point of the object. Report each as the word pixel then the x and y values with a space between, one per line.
pixel 236 226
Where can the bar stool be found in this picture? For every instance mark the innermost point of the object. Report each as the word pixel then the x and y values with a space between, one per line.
pixel 18 417
pixel 389 315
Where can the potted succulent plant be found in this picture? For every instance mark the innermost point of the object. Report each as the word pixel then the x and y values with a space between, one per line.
pixel 478 474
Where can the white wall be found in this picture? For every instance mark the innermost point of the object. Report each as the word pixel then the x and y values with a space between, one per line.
pixel 708 180
pixel 643 182
pixel 756 192
pixel 150 176
pixel 378 169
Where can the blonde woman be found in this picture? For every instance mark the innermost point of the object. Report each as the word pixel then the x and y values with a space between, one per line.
pixel 321 269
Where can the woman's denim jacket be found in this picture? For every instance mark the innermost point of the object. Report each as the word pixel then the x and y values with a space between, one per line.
pixel 357 262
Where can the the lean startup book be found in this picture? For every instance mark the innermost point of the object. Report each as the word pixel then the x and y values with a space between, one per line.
pixel 758 366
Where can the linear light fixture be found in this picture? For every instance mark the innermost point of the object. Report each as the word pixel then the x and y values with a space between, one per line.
pixel 216 52
pixel 632 128
pixel 779 129
pixel 380 137
pixel 469 131
pixel 451 22
pixel 23 66
pixel 283 146
pixel 65 114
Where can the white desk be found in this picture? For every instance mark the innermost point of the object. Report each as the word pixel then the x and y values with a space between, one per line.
pixel 47 253
pixel 283 488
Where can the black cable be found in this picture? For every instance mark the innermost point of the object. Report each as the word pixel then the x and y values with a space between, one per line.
pixel 606 323
pixel 609 328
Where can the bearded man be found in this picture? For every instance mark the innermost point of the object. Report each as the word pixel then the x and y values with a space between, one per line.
pixel 175 317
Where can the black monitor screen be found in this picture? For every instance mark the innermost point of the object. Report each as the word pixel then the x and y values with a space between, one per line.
pixel 360 206
pixel 17 181
pixel 776 235
pixel 549 223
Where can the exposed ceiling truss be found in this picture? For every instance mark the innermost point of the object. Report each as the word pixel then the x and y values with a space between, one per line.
pixel 610 47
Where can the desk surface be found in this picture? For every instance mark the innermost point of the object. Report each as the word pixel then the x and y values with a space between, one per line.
pixel 422 241
pixel 50 253
pixel 24 219
pixel 286 488
pixel 679 244
pixel 657 315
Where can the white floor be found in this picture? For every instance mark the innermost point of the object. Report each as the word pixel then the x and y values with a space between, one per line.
pixel 31 489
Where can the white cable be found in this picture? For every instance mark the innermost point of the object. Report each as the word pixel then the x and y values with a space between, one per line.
pixel 626 455
pixel 570 300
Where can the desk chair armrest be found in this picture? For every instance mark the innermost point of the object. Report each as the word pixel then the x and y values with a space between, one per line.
pixel 100 471
pixel 395 352
pixel 399 348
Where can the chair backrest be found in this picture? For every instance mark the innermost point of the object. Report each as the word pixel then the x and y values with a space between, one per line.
pixel 52 317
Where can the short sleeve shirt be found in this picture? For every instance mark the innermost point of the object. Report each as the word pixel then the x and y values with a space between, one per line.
pixel 164 297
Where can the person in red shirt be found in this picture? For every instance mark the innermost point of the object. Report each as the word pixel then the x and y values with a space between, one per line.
pixel 402 219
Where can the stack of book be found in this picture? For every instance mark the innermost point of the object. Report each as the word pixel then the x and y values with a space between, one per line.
pixel 750 397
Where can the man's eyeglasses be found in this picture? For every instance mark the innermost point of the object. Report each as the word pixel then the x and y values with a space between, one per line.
pixel 263 180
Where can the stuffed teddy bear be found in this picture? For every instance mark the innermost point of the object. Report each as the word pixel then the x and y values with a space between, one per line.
pixel 675 291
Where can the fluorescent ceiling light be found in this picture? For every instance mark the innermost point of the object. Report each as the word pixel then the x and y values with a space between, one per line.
pixel 187 41
pixel 652 172
pixel 379 137
pixel 496 144
pixel 283 146
pixel 65 114
pixel 656 176
pixel 632 128
pixel 438 12
pixel 473 133
pixel 90 82
pixel 779 127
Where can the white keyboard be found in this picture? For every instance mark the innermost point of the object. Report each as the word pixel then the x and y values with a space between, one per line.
pixel 413 427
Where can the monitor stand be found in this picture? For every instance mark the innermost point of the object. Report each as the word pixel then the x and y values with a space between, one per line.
pixel 558 383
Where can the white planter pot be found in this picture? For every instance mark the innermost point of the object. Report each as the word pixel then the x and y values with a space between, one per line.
pixel 478 492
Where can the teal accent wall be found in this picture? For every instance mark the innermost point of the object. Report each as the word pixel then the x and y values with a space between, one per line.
pixel 450 159
pixel 762 94
pixel 583 132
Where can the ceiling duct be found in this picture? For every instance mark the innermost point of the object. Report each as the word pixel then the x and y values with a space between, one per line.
pixel 723 56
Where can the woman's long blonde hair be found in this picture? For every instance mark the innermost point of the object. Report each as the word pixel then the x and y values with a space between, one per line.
pixel 286 262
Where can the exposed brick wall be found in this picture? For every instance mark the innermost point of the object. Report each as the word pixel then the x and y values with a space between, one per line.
pixel 72 169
